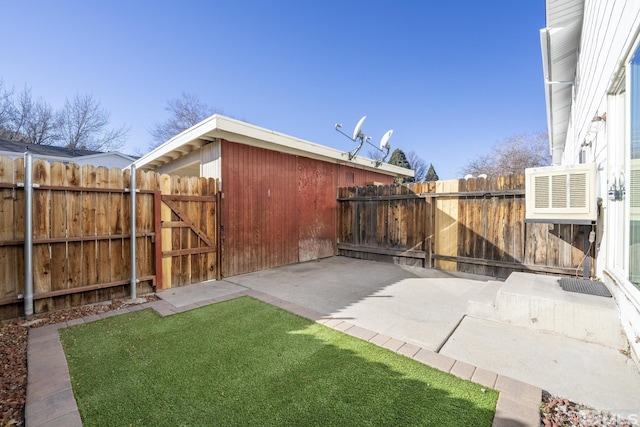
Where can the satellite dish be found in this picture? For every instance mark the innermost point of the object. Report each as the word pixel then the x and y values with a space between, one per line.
pixel 358 129
pixel 384 142
pixel 384 147
pixel 358 135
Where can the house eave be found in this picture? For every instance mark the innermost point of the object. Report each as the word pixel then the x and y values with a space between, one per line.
pixel 559 42
pixel 221 127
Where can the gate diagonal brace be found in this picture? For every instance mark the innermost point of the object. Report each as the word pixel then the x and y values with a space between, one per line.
pixel 185 218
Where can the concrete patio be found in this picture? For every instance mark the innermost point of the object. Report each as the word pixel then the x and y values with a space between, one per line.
pixel 453 322
pixel 439 311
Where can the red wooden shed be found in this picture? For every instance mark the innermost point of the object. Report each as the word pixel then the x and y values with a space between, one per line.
pixel 279 192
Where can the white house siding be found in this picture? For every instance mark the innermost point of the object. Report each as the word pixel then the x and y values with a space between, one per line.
pixel 607 35
pixel 610 35
pixel 210 161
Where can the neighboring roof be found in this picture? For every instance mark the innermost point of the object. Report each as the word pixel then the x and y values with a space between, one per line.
pixel 221 127
pixel 50 152
pixel 43 150
pixel 559 41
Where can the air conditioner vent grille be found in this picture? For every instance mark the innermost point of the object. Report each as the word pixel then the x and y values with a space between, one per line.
pixel 578 188
pixel 559 191
pixel 562 194
pixel 541 192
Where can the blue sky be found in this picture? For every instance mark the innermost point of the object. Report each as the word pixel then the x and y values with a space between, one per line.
pixel 451 78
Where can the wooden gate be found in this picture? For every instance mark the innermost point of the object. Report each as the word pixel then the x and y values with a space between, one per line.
pixel 190 240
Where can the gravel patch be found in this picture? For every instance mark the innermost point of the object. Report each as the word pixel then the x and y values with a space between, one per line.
pixel 558 412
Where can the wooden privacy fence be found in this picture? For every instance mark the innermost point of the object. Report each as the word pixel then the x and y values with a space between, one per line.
pixel 82 236
pixel 474 226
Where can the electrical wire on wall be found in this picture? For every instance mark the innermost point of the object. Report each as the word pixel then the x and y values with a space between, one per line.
pixel 592 238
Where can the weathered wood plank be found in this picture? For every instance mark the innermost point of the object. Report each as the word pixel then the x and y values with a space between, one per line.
pixel 58 212
pixel 116 226
pixel 41 230
pixel 103 269
pixel 8 266
pixel 383 251
pixel 446 224
pixel 88 223
pixel 167 245
pixel 73 202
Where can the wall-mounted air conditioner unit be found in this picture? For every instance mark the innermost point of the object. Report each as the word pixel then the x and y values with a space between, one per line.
pixel 561 194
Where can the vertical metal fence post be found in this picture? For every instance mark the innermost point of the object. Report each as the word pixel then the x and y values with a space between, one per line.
pixel 134 279
pixel 28 234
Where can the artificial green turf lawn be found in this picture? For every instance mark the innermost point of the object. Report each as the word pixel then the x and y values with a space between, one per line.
pixel 244 362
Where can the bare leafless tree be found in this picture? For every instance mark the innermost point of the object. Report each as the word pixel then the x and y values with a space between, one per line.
pixel 418 165
pixel 31 121
pixel 184 111
pixel 84 125
pixel 5 110
pixel 81 123
pixel 511 156
pixel 42 126
pixel 20 113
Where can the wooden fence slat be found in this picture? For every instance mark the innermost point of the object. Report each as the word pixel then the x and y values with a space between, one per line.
pixel 116 219
pixel 88 222
pixel 59 258
pixel 41 230
pixel 103 268
pixel 167 234
pixel 9 286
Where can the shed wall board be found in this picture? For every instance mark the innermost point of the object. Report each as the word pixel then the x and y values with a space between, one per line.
pixel 279 208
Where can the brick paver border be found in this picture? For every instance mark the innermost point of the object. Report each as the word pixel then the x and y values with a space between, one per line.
pixel 50 400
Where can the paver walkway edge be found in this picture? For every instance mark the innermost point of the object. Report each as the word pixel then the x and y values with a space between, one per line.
pixel 50 401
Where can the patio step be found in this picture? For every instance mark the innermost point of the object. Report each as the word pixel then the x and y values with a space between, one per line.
pixel 483 304
pixel 537 302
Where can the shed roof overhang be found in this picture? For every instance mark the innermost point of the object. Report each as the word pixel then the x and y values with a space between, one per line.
pixel 221 127
pixel 560 40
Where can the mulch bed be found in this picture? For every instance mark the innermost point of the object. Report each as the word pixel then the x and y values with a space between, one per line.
pixel 13 354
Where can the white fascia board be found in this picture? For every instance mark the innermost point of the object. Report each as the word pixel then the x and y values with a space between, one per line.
pixel 232 130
